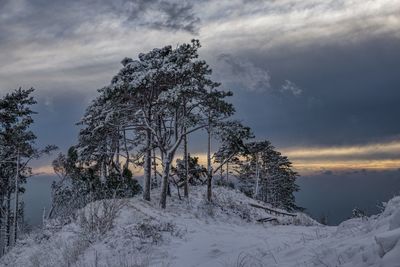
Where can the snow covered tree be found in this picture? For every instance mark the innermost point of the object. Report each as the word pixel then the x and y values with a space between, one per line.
pixel 136 88
pixel 266 174
pixel 80 184
pixel 232 136
pixel 17 144
pixel 171 94
pixel 103 140
pixel 74 187
pixel 222 128
pixel 149 109
pixel 193 174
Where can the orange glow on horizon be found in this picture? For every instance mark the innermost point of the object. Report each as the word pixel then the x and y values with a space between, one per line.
pixel 368 149
pixel 380 156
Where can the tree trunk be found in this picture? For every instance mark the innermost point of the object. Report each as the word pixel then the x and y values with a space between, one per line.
pixel 8 220
pixel 257 177
pixel 209 168
pixel 102 171
pixel 147 167
pixel 155 168
pixel 118 163
pixel 186 159
pixel 16 200
pixel 3 225
pixel 169 189
pixel 126 151
pixel 227 171
pixel 165 180
pixel 2 229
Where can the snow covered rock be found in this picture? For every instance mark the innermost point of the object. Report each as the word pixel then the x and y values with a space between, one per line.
pixel 387 241
pixel 394 221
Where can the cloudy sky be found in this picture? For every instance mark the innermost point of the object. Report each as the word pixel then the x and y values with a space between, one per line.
pixel 319 78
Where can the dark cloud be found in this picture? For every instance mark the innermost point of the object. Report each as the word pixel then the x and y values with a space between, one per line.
pixel 303 73
pixel 165 15
pixel 350 98
pixel 242 74
pixel 235 72
pixel 49 20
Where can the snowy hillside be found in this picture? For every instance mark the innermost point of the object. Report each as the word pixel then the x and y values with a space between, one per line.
pixel 133 232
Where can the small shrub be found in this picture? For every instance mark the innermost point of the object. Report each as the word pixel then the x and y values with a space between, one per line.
pixel 149 231
pixel 207 208
pixel 358 213
pixel 71 253
pixel 225 183
pixel 97 218
pixel 246 260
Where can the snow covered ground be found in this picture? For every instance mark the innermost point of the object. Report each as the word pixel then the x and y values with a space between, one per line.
pixel 192 232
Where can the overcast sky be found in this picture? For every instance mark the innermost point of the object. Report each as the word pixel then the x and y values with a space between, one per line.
pixel 320 79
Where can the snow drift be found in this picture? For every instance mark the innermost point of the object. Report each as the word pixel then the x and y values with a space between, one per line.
pixel 228 232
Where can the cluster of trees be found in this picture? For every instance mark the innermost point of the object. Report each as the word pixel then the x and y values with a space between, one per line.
pixel 267 175
pixel 146 113
pixel 144 116
pixel 141 119
pixel 17 149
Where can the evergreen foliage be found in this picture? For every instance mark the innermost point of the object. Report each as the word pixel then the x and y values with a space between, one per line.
pixel 145 114
pixel 78 185
pixel 17 149
pixel 197 173
pixel 267 175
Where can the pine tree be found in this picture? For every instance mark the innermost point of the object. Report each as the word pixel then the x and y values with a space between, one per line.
pixel 17 140
pixel 171 94
pixel 267 175
pixel 194 172
pixel 17 143
pixel 232 136
pixel 80 184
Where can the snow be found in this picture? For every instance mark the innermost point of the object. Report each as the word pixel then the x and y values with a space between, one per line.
pixel 195 233
pixel 387 241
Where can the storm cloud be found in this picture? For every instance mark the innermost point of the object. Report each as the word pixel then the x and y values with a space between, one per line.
pixel 304 73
